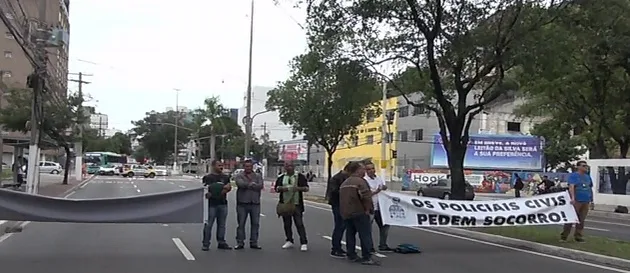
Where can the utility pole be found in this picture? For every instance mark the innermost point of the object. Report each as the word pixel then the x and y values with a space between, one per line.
pixel 384 134
pixel 1 128
pixel 213 143
pixel 264 128
pixel 78 145
pixel 175 146
pixel 248 107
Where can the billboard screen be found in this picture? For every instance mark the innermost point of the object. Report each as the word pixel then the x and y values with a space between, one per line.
pixel 291 151
pixel 497 152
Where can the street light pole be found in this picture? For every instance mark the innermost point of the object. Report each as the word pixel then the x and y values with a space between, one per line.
pixel 175 152
pixel 248 107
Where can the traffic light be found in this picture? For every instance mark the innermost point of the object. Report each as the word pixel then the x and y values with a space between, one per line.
pixel 394 154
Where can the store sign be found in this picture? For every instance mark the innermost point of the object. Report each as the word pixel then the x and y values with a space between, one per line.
pixel 427 178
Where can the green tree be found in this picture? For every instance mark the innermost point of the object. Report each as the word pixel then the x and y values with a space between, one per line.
pixel 157 131
pixel 460 51
pixel 561 148
pixel 576 72
pixel 59 117
pixel 325 99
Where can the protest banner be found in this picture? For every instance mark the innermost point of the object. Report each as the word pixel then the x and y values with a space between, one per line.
pixel 407 210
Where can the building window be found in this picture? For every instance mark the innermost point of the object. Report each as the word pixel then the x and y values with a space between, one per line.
pixel 402 136
pixel 419 110
pixel 390 137
pixel 7 74
pixel 369 140
pixel 514 127
pixel 369 116
pixel 403 111
pixel 417 134
pixel 355 141
pixel 8 54
pixel 8 35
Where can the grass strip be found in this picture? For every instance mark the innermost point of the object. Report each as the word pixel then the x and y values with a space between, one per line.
pixel 549 235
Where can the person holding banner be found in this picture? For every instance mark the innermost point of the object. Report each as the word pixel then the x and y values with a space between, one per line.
pixel 377 185
pixel 290 207
pixel 355 200
pixel 218 186
pixel 581 191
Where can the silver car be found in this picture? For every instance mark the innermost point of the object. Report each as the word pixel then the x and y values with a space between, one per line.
pixel 161 171
pixel 50 167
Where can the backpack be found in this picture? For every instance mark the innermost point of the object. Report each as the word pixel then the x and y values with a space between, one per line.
pixel 519 184
pixel 407 249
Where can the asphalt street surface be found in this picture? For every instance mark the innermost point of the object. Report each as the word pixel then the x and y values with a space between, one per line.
pixel 168 248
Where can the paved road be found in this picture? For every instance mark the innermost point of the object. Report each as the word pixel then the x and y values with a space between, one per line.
pixel 613 228
pixel 159 248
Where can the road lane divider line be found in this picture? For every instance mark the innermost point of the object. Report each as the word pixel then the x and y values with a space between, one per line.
pixel 597 229
pixel 138 190
pixel 357 247
pixel 83 186
pixel 182 186
pixel 183 249
pixel 608 223
pixel 70 194
pixel 262 215
pixel 320 206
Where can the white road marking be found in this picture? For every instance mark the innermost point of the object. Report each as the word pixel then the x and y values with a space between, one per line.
pixel 183 249
pixel 318 206
pixel 2 222
pixel 135 186
pixel 138 190
pixel 69 194
pixel 357 247
pixel 165 225
pixel 262 215
pixel 607 223
pixel 83 186
pixel 597 229
pixel 172 183
pixel 182 186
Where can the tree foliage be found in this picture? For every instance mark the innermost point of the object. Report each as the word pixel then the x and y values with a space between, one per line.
pixel 561 148
pixel 58 118
pixel 459 52
pixel 118 143
pixel 156 133
pixel 323 98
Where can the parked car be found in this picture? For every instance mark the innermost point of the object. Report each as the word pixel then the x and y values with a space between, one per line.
pixel 138 170
pixel 162 171
pixel 442 189
pixel 50 167
pixel 107 170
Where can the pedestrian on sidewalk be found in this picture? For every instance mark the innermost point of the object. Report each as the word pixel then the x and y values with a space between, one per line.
pixel 332 195
pixel 376 186
pixel 355 199
pixel 581 192
pixel 218 187
pixel 249 184
pixel 291 185
pixel 518 186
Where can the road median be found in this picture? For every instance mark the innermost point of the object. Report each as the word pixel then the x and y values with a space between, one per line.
pixel 543 240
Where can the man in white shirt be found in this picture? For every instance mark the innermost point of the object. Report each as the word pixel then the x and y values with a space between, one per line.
pixel 377 185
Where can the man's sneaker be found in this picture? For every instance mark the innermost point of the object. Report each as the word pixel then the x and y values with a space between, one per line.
pixel 338 254
pixel 255 246
pixel 385 249
pixel 369 262
pixel 579 239
pixel 239 247
pixel 287 245
pixel 205 248
pixel 372 250
pixel 224 246
pixel 563 239
pixel 304 247
pixel 354 259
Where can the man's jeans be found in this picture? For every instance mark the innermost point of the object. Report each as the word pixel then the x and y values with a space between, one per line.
pixel 383 230
pixel 288 221
pixel 242 212
pixel 338 229
pixel 218 213
pixel 359 224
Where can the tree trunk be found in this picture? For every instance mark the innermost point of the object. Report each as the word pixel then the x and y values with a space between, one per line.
pixel 67 165
pixel 456 164
pixel 329 167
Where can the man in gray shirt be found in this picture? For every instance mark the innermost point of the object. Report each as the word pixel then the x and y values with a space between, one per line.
pixel 249 186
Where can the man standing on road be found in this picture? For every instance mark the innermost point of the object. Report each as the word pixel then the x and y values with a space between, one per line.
pixel 332 195
pixel 355 199
pixel 249 186
pixel 218 186
pixel 581 191
pixel 377 185
pixel 291 185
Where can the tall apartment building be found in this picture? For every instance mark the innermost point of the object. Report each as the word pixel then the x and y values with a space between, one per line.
pixel 15 67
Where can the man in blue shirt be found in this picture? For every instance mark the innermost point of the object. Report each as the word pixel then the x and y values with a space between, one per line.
pixel 581 191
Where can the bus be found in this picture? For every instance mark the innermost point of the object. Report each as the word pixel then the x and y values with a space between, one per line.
pixel 95 160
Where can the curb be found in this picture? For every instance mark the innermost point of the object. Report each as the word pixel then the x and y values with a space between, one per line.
pixel 542 248
pixel 17 226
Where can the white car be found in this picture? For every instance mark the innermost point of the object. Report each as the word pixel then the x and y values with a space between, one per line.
pixel 107 170
pixel 161 171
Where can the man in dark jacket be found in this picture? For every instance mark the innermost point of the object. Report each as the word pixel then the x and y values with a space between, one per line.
pixel 332 195
pixel 218 186
pixel 291 185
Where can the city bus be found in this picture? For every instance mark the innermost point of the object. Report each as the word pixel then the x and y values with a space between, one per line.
pixel 95 160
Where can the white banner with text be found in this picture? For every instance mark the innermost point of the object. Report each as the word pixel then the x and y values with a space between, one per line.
pixel 400 209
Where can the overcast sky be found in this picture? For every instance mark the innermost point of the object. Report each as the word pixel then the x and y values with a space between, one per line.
pixel 140 50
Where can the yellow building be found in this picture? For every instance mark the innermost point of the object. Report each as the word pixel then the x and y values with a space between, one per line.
pixel 366 143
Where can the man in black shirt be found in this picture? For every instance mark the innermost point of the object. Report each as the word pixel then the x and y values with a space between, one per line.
pixel 218 185
pixel 332 195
